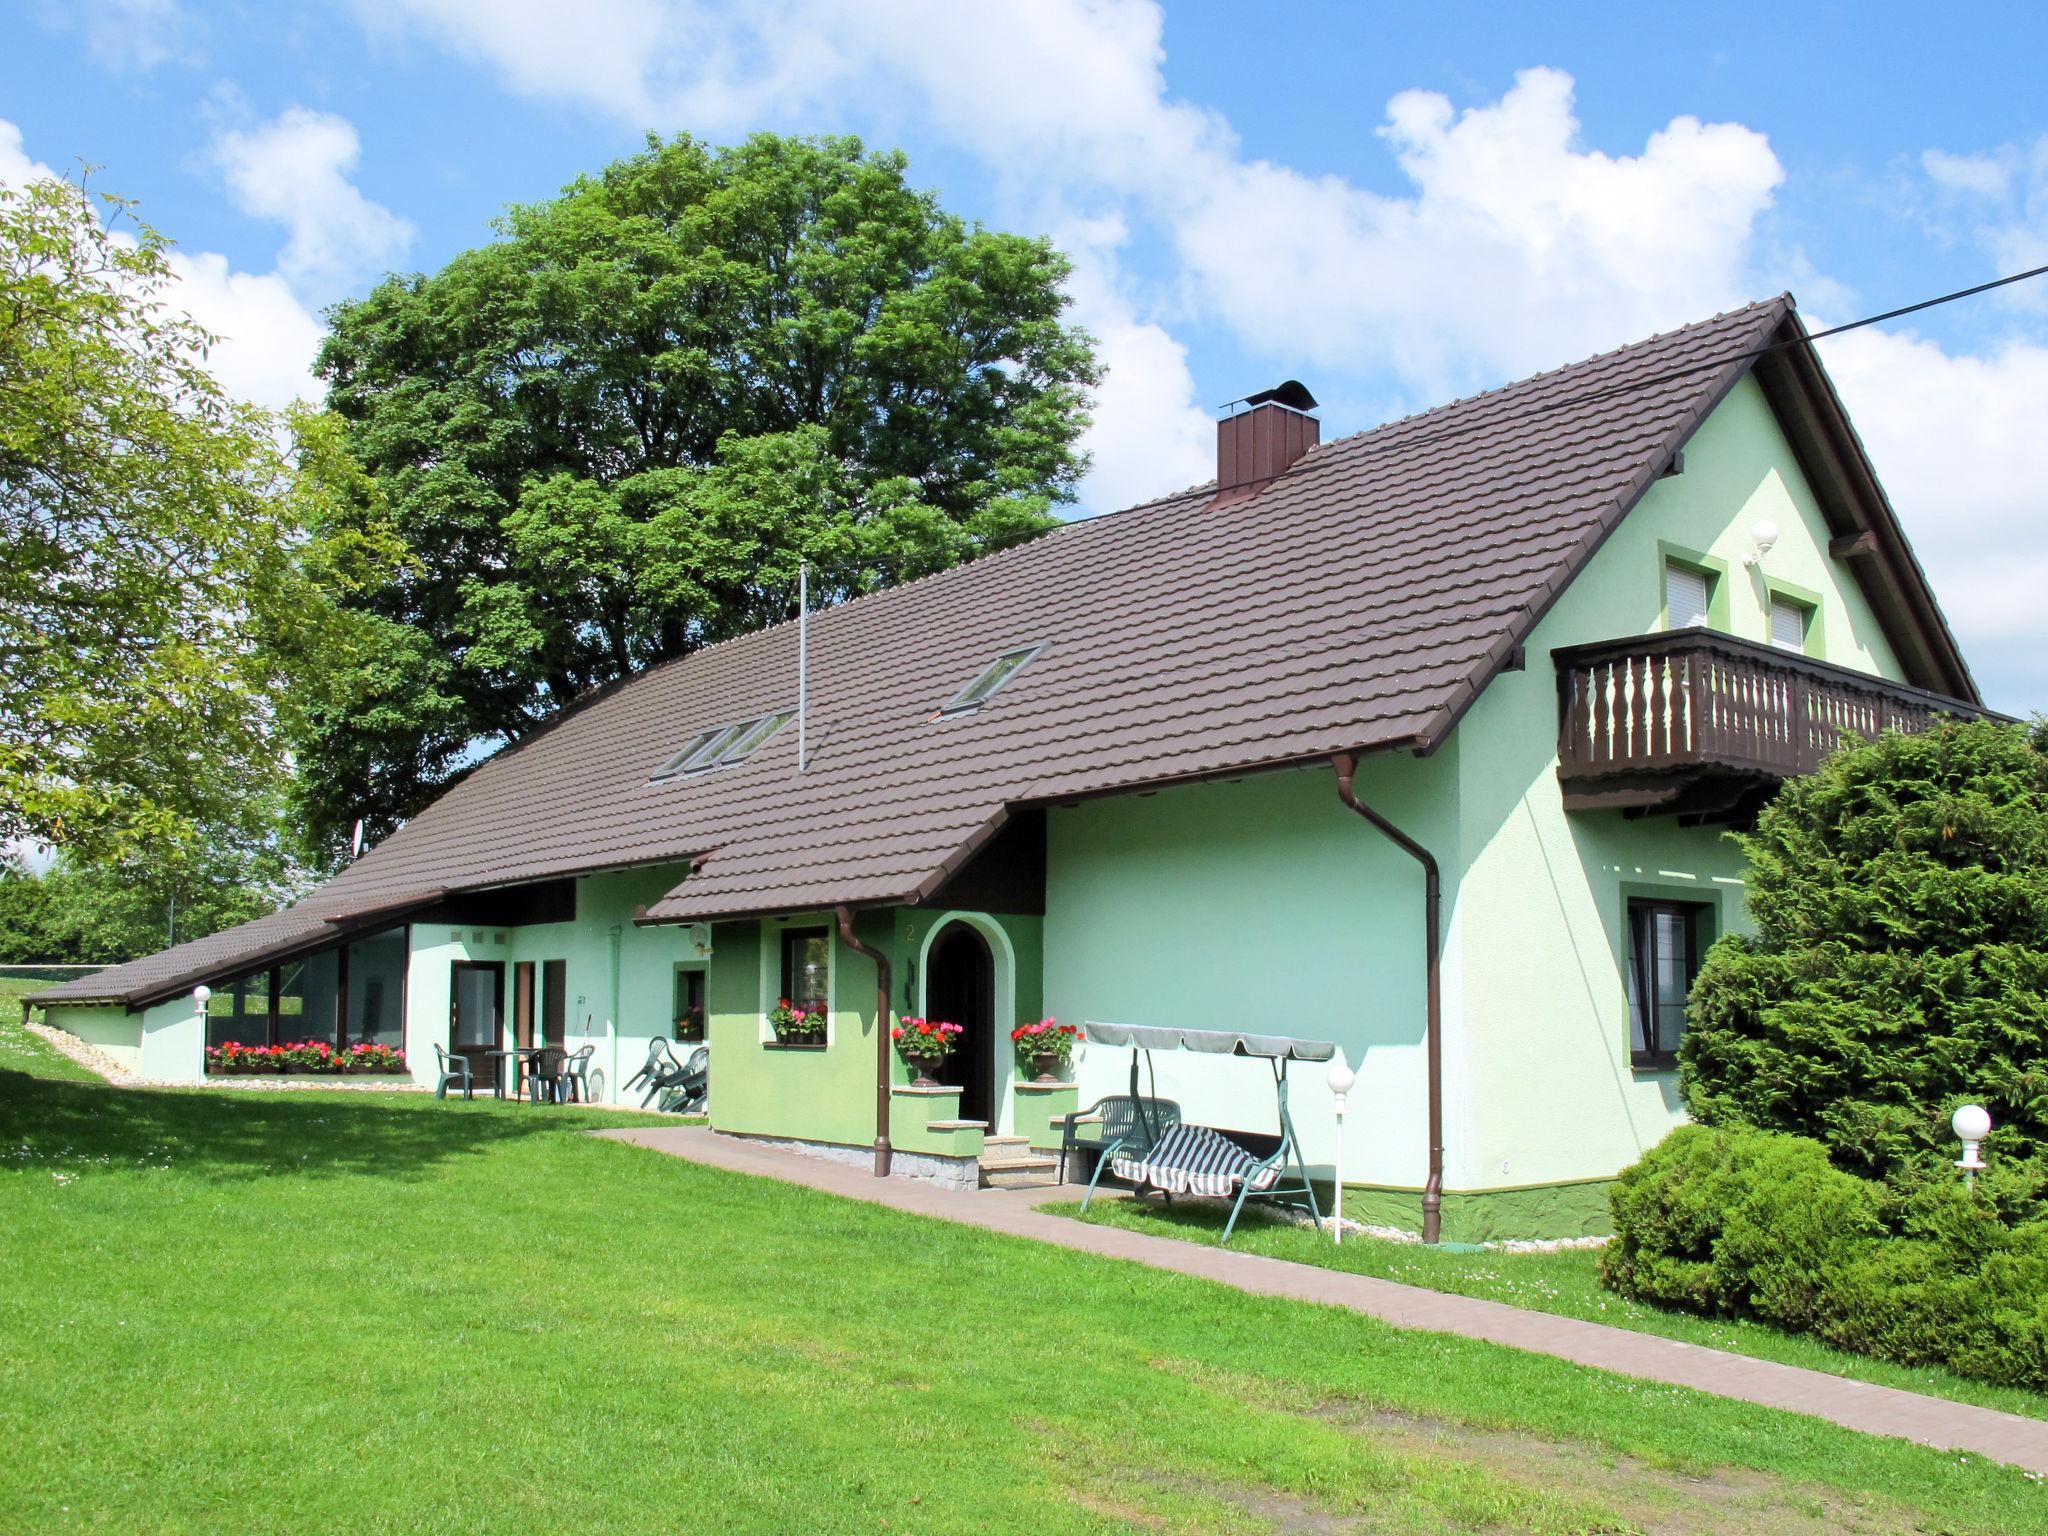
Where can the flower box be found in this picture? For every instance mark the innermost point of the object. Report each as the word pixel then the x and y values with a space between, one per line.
pixel 313 1058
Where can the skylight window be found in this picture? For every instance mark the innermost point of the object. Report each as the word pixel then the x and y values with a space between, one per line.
pixel 997 673
pixel 723 745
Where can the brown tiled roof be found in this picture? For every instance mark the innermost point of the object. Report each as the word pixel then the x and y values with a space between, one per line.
pixel 1358 603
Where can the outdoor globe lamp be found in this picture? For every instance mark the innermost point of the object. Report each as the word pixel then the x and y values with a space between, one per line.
pixel 202 996
pixel 1972 1124
pixel 1341 1079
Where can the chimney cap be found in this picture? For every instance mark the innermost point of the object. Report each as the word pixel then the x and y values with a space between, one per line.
pixel 1291 393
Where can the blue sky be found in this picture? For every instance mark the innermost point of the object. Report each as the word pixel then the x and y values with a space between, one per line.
pixel 1396 204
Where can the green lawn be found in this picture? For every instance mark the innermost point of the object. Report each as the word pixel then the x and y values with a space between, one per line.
pixel 372 1313
pixel 21 1051
pixel 1565 1282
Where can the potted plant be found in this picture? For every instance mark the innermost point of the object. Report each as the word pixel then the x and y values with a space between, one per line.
pixel 1047 1045
pixel 924 1044
pixel 797 1026
pixel 690 1025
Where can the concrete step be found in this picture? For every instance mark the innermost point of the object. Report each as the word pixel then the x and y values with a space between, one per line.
pixel 1018 1170
pixel 1005 1146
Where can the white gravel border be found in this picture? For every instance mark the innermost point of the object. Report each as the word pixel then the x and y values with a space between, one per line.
pixel 97 1061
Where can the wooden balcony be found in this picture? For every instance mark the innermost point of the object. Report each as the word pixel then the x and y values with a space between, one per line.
pixel 1705 726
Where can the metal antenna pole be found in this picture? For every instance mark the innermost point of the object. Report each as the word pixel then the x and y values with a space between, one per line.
pixel 803 664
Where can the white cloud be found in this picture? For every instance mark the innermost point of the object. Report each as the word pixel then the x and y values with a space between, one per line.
pixel 1146 436
pixel 294 170
pixel 1517 248
pixel 2000 201
pixel 16 168
pixel 1984 175
pixel 267 336
pixel 1957 441
pixel 128 35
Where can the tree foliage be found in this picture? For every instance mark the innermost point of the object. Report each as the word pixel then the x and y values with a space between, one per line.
pixel 1900 965
pixel 607 438
pixel 97 914
pixel 148 568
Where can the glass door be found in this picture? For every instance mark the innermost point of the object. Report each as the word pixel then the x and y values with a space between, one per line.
pixel 476 993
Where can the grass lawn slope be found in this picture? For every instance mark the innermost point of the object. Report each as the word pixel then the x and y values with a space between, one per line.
pixel 329 1312
pixel 1565 1282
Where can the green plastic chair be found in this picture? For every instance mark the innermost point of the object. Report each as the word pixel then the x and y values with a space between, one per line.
pixel 454 1069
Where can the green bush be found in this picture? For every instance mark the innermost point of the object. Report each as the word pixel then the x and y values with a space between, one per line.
pixel 1900 964
pixel 1762 1225
pixel 1744 1223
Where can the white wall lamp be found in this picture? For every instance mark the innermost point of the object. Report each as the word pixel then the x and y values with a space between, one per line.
pixel 201 996
pixel 1971 1124
pixel 1763 533
pixel 1341 1080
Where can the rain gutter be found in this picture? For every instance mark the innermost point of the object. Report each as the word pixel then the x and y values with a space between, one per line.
pixel 1432 902
pixel 882 1072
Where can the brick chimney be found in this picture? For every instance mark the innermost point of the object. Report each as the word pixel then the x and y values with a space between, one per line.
pixel 1260 437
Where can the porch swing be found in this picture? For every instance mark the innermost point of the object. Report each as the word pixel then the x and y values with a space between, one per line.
pixel 1201 1159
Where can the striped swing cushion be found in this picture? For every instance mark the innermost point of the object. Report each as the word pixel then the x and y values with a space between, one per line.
pixel 1195 1160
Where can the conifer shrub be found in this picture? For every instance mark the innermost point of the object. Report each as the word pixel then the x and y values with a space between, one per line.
pixel 1900 962
pixel 1757 1224
pixel 1899 968
pixel 1737 1223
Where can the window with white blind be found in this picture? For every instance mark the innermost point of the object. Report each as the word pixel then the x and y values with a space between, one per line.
pixel 1687 590
pixel 1788 624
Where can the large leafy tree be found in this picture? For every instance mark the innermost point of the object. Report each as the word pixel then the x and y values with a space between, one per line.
pixel 149 566
pixel 1900 963
pixel 610 436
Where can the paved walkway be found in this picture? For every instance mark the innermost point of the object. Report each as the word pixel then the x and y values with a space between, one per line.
pixel 1935 1421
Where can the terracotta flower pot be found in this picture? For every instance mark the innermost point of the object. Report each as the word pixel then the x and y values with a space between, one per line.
pixel 1048 1065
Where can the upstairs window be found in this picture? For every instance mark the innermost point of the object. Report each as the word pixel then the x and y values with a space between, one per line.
pixel 1664 943
pixel 997 673
pixel 724 745
pixel 1789 621
pixel 1688 593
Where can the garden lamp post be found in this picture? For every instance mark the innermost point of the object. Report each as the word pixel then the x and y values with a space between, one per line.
pixel 1341 1078
pixel 1971 1124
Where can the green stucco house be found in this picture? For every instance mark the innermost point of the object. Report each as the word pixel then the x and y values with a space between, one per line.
pixel 1559 638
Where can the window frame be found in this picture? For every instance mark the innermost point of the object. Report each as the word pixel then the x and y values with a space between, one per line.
pixel 978 692
pixel 1812 634
pixel 723 746
pixel 1713 570
pixel 1638 990
pixel 786 940
pixel 690 977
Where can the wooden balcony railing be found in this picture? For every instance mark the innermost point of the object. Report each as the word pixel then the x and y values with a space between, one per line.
pixel 1655 705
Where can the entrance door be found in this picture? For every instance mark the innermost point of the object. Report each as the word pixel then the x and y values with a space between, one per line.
pixel 960 987
pixel 476 1003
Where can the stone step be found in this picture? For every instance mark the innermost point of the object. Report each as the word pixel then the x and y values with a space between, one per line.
pixel 1005 1146
pixel 1018 1170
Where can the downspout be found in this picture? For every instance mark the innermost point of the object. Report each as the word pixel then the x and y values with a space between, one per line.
pixel 1432 900
pixel 882 1073
pixel 611 1085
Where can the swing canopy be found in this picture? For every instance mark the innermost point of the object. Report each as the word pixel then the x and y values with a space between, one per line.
pixel 1215 1042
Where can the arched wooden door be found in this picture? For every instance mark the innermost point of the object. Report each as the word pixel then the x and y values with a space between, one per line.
pixel 960 986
